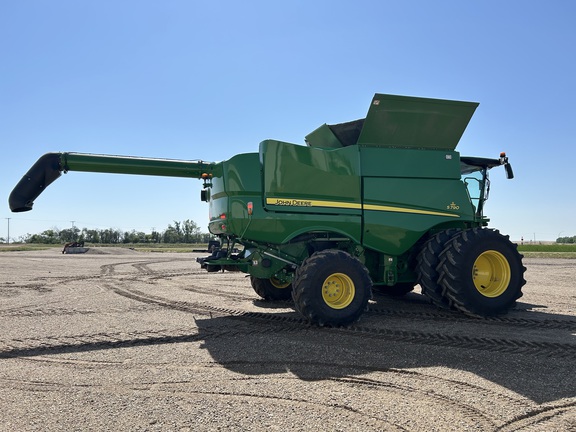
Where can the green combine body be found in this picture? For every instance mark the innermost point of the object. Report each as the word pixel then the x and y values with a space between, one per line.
pixel 383 202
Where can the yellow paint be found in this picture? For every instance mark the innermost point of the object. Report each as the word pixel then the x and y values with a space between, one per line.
pixel 293 202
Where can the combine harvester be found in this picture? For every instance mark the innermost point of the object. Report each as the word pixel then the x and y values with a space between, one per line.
pixel 384 202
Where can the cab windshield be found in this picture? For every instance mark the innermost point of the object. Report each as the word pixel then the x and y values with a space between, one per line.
pixel 478 186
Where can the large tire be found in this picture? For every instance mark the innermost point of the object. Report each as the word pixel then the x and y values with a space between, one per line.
pixel 481 272
pixel 271 289
pixel 332 288
pixel 427 263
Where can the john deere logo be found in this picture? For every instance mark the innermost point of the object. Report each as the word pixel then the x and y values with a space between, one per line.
pixel 291 202
pixel 452 206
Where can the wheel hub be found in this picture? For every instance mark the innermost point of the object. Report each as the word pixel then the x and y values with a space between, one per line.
pixel 491 273
pixel 277 283
pixel 338 291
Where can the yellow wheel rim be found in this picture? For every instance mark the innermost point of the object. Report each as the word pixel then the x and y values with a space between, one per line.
pixel 338 291
pixel 491 273
pixel 276 283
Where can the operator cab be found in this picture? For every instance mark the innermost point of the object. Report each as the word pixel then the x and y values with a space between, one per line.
pixel 474 172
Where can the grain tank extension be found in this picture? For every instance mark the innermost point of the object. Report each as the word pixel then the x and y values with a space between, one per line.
pixel 383 202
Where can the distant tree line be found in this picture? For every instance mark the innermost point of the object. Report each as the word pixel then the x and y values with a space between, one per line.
pixel 180 232
pixel 570 240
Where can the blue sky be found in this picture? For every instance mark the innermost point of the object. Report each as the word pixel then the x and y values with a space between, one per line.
pixel 210 79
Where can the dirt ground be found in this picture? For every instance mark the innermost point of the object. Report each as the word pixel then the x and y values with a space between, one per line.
pixel 120 340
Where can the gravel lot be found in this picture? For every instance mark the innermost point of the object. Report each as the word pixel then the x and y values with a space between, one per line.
pixel 120 340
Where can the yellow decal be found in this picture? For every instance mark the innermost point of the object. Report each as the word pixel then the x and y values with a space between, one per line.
pixel 291 202
pixel 407 210
pixel 311 203
pixel 452 206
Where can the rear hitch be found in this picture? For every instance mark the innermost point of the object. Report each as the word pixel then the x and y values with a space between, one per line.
pixel 221 259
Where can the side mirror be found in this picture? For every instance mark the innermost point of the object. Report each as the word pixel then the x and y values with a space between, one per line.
pixel 507 166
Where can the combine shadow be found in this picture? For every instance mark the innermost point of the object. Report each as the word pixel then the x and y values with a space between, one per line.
pixel 281 344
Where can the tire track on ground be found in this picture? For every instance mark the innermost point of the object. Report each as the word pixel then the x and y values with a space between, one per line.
pixel 117 284
pixel 249 323
pixel 505 345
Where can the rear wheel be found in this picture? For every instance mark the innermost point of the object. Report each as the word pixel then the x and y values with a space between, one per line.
pixel 271 289
pixel 481 272
pixel 428 260
pixel 332 288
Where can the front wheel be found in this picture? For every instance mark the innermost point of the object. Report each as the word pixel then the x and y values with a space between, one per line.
pixel 332 288
pixel 271 289
pixel 482 272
